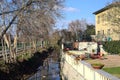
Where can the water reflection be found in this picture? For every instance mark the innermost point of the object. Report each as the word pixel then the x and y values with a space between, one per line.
pixel 49 71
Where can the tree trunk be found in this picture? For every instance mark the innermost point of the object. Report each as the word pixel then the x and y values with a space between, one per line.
pixel 24 48
pixel 7 41
pixel 30 51
pixel 3 50
pixel 15 48
pixel 34 45
pixel 10 49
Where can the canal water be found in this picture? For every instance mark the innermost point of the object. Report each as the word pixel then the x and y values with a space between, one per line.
pixel 49 71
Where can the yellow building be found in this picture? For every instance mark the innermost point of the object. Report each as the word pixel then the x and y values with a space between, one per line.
pixel 103 28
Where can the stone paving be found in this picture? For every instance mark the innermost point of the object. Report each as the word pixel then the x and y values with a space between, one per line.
pixel 108 60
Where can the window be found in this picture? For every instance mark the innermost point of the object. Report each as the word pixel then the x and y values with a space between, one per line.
pixel 98 20
pixel 98 32
pixel 108 32
pixel 103 18
pixel 103 32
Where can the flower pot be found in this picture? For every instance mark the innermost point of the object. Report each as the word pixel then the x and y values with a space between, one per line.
pixel 77 58
pixel 97 66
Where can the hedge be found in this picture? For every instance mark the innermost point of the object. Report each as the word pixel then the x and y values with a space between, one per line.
pixel 112 47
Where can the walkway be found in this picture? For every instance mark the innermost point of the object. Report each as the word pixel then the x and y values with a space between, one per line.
pixel 109 61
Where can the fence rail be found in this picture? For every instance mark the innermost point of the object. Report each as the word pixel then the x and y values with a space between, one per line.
pixel 20 49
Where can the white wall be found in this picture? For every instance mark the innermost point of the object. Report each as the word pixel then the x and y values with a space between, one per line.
pixel 72 70
pixel 88 45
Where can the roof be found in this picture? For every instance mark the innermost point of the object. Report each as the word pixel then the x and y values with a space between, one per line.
pixel 107 7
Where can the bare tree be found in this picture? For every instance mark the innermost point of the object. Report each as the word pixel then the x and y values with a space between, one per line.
pixel 29 19
pixel 77 27
pixel 32 10
pixel 67 35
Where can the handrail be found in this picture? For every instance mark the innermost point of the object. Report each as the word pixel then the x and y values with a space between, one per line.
pixel 85 69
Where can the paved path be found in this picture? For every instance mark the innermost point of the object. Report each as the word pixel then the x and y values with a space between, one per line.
pixel 109 61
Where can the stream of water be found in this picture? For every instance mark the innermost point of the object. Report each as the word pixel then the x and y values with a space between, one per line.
pixel 49 71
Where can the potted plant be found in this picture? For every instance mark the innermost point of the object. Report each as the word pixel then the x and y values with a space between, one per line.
pixel 93 50
pixel 77 58
pixel 97 65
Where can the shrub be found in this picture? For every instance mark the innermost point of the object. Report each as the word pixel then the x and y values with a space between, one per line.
pixel 112 47
pixel 97 64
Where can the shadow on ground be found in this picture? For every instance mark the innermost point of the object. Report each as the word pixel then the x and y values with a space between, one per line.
pixel 22 70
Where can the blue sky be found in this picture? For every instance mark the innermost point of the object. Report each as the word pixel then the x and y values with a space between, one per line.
pixel 81 9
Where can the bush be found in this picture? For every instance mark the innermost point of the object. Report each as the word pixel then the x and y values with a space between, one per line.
pixel 97 64
pixel 112 47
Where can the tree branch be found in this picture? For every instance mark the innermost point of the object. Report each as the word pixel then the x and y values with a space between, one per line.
pixel 7 12
pixel 13 19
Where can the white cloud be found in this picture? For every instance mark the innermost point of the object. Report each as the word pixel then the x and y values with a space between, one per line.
pixel 70 9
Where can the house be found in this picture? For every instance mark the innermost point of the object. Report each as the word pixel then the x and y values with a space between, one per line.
pixel 104 30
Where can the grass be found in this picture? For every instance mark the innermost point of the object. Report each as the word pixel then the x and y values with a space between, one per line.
pixel 25 56
pixel 113 70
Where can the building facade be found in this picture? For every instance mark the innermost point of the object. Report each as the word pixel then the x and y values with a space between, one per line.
pixel 104 29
